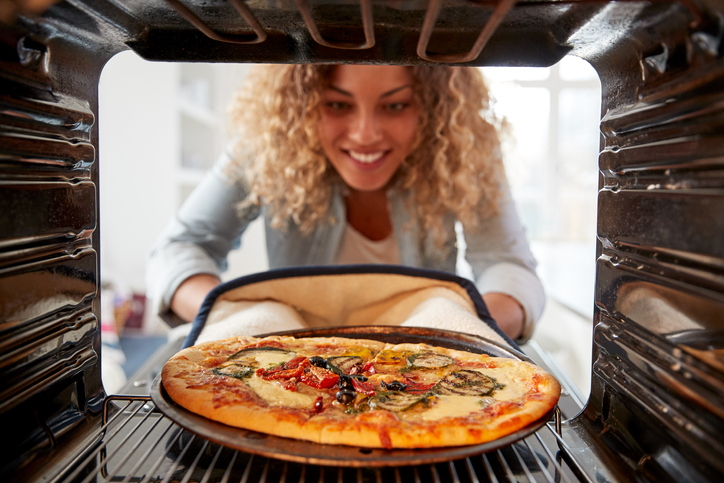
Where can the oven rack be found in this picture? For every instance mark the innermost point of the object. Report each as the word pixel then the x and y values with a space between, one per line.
pixel 432 12
pixel 137 443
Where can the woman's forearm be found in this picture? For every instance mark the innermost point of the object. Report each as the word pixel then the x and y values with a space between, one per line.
pixel 191 293
pixel 507 312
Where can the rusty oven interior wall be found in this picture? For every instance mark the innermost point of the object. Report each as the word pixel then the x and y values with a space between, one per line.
pixel 655 408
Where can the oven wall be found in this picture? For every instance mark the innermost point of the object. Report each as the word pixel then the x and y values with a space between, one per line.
pixel 49 250
pixel 657 381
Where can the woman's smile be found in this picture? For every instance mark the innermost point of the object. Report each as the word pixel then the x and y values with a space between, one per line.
pixel 368 123
pixel 366 158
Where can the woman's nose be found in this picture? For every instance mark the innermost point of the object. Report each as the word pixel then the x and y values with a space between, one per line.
pixel 365 128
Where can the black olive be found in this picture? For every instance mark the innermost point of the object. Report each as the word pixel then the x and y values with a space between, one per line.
pixel 394 386
pixel 359 377
pixel 345 383
pixel 318 361
pixel 345 397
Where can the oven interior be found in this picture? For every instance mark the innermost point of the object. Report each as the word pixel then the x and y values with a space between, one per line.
pixel 654 412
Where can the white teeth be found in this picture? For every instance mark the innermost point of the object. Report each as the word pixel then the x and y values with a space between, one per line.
pixel 366 158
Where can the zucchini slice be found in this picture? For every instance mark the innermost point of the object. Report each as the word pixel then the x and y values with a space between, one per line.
pixel 466 383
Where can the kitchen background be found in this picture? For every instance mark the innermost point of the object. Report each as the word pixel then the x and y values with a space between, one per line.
pixel 164 124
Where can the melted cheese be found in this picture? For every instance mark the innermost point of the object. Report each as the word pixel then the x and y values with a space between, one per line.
pixel 264 359
pixel 515 387
pixel 275 395
pixel 268 359
pixel 451 407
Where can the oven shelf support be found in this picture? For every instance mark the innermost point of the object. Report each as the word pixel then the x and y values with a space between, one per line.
pixel 428 27
pixel 258 37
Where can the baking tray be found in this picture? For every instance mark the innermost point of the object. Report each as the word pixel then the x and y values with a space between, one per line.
pixel 349 456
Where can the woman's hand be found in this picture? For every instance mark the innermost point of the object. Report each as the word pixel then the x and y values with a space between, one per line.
pixel 189 296
pixel 507 312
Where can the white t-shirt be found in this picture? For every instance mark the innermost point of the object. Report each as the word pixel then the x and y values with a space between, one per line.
pixel 357 248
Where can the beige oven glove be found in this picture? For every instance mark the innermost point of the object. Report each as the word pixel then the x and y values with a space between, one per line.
pixel 344 300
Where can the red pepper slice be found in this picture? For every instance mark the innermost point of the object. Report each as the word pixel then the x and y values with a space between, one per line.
pixel 369 368
pixel 295 362
pixel 271 375
pixel 363 387
pixel 318 406
pixel 292 368
pixel 417 388
pixel 288 384
pixel 318 377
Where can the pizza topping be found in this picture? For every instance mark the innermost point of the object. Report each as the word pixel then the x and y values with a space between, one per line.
pixel 363 387
pixel 344 364
pixel 369 368
pixel 416 387
pixel 345 396
pixel 299 369
pixel 318 404
pixel 355 383
pixel 345 383
pixel 396 401
pixel 255 351
pixel 280 394
pixel 360 351
pixel 237 371
pixel 393 386
pixel 452 407
pixel 466 383
pixel 428 360
pixel 318 361
pixel 319 378
pixel 387 356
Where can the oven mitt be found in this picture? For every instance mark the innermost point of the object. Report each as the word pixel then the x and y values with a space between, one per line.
pixel 356 295
pixel 231 319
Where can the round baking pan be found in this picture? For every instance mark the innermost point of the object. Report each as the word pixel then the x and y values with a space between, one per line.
pixel 350 456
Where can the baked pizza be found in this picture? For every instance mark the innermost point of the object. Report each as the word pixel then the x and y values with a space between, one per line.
pixel 365 393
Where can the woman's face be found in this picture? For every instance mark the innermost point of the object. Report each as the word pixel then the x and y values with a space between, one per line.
pixel 368 123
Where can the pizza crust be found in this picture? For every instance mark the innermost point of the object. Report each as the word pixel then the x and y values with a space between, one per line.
pixel 187 378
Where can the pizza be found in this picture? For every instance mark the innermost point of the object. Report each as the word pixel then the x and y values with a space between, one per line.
pixel 358 392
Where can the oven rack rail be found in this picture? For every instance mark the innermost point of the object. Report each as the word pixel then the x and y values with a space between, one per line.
pixel 499 10
pixel 137 443
pixel 432 13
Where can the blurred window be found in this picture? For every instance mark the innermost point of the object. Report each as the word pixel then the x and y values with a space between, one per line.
pixel 551 159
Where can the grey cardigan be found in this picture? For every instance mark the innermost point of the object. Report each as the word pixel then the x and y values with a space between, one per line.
pixel 209 225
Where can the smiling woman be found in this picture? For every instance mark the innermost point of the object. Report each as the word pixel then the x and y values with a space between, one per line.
pixel 357 164
pixel 368 124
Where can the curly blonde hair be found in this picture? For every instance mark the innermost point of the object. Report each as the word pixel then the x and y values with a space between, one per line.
pixel 454 167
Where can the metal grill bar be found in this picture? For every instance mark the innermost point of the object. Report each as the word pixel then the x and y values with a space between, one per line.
pixel 259 33
pixel 367 25
pixel 428 26
pixel 137 443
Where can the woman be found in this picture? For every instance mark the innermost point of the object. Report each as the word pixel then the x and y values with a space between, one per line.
pixel 357 164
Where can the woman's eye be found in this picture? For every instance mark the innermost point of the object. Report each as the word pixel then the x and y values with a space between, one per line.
pixel 397 106
pixel 337 106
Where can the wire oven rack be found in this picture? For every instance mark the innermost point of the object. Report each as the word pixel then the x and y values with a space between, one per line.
pixel 137 443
